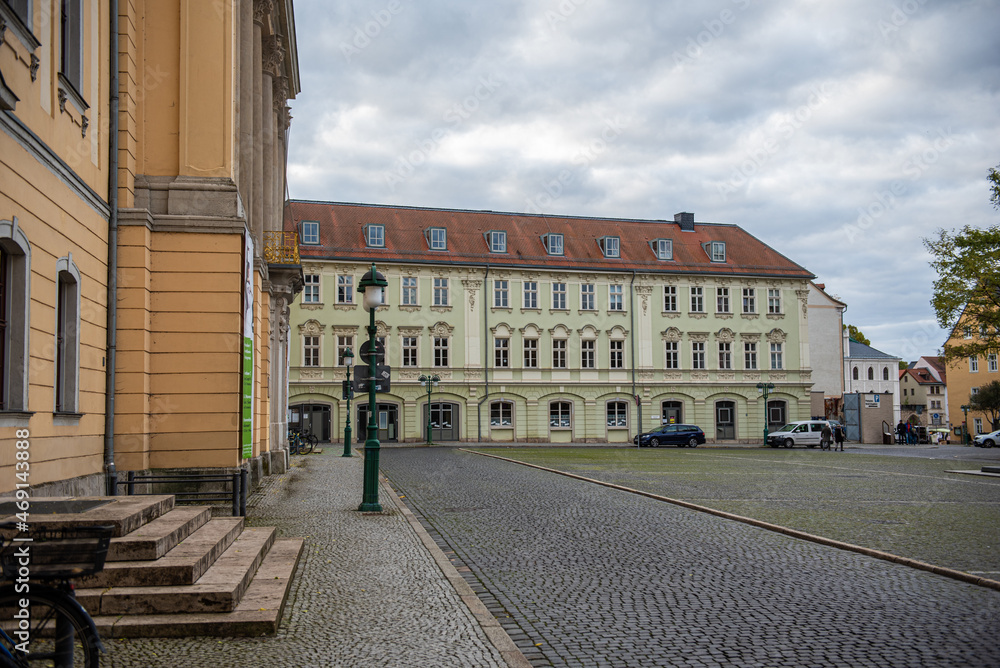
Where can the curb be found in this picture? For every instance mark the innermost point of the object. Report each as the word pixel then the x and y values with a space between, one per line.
pixel 489 624
pixel 793 533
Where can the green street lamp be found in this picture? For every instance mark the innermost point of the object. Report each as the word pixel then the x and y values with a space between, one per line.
pixel 965 424
pixel 372 286
pixel 430 382
pixel 348 362
pixel 765 390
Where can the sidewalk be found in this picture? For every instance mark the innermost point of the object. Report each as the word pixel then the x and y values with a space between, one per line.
pixel 372 589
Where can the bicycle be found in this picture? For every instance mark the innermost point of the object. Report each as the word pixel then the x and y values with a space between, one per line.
pixel 301 444
pixel 44 624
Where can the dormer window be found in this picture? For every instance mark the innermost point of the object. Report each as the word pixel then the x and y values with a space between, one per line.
pixel 310 232
pixel 716 250
pixel 553 243
pixel 497 240
pixel 663 248
pixel 610 246
pixel 437 238
pixel 375 236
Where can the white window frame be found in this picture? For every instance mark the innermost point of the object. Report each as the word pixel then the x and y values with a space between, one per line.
pixel 697 294
pixel 529 295
pixel 501 352
pixel 616 414
pixel 725 355
pixel 588 354
pixel 717 251
pixel 774 301
pixel 497 240
pixel 310 232
pixel 410 291
pixel 564 418
pixel 611 246
pixel 67 350
pixel 559 296
pixel 375 236
pixel 670 299
pixel 442 349
pixel 18 298
pixel 750 355
pixel 749 300
pixel 616 354
pixel 560 349
pixel 312 343
pixel 977 425
pixel 616 297
pixel 311 284
pixel 973 364
pixel 345 342
pixel 502 406
pixel 530 347
pixel 501 293
pixel 698 355
pixel 664 249
pixel 437 239
pixel 777 356
pixel 588 297
pixel 991 362
pixel 440 291
pixel 722 300
pixel 345 289
pixel 671 355
pixel 411 345
pixel 554 244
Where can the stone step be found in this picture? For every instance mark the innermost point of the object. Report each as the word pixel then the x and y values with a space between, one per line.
pixel 259 613
pixel 153 540
pixel 182 565
pixel 124 513
pixel 220 589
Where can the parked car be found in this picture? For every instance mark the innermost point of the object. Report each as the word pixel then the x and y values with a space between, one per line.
pixel 803 432
pixel 986 440
pixel 681 435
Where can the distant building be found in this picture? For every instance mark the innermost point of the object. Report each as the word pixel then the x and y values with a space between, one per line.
pixel 935 366
pixel 826 350
pixel 922 400
pixel 965 377
pixel 868 370
pixel 548 328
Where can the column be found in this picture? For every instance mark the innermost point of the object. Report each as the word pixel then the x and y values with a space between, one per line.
pixel 246 70
pixel 260 9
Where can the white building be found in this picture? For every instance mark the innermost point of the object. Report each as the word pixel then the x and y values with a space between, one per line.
pixel 869 370
pixel 826 349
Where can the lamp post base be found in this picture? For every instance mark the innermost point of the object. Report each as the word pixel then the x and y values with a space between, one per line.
pixel 369 498
pixel 347 442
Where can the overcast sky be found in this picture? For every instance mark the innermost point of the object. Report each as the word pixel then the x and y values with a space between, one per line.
pixel 840 133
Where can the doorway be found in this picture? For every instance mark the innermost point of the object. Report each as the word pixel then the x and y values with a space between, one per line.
pixel 725 420
pixel 387 418
pixel 444 421
pixel 671 412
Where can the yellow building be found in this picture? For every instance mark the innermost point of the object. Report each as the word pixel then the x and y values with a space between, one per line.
pixel 142 325
pixel 965 377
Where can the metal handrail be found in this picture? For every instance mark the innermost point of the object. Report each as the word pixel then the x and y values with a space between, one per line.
pixel 238 482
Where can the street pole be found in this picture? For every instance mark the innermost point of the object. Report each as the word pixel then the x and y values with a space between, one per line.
pixel 429 382
pixel 965 424
pixel 371 285
pixel 765 389
pixel 348 361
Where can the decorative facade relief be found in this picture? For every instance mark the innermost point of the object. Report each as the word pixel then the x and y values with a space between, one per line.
pixel 442 329
pixel 311 374
pixel 776 336
pixel 725 335
pixel 671 334
pixel 698 336
pixel 311 328
pixel 409 331
pixel 750 336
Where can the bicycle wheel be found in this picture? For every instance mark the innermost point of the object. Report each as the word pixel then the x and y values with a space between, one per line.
pixel 309 442
pixel 53 631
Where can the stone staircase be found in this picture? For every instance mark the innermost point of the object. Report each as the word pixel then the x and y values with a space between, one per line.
pixel 177 571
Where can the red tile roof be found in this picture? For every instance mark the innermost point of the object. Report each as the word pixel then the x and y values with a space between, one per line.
pixel 342 237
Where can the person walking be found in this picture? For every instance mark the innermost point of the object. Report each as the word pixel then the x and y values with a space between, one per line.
pixel 900 433
pixel 825 437
pixel 838 435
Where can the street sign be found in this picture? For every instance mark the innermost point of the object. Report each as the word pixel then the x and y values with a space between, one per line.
pixel 383 374
pixel 379 353
pixel 361 386
pixel 344 387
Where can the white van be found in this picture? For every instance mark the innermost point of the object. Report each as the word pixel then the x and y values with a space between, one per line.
pixel 803 432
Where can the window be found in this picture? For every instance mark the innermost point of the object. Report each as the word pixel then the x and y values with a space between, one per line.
pixel 67 352
pixel 610 246
pixel 530 298
pixel 559 296
pixel 773 300
pixel 587 297
pixel 310 289
pixel 497 241
pixel 345 343
pixel 438 239
pixel 697 355
pixel 974 364
pixel 725 355
pixel 310 351
pixel 991 362
pixel 72 43
pixel 855 373
pixel 697 299
pixel 885 373
pixel 615 298
pixel 671 360
pixel 718 253
pixel 22 9
pixel 977 425
pixel 15 293
pixel 375 235
pixel 531 353
pixel 409 284
pixel 501 414
pixel 500 294
pixel 559 414
pixel 409 351
pixel 776 356
pixel 553 244
pixel 750 355
pixel 501 353
pixel 559 353
pixel 440 351
pixel 664 249
pixel 722 300
pixel 670 298
pixel 749 300
pixel 871 373
pixel 973 392
pixel 617 354
pixel 440 292
pixel 967 332
pixel 345 289
pixel 310 232
pixel 617 414
pixel 588 354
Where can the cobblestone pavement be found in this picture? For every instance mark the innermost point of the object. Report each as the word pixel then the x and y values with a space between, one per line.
pixel 582 575
pixel 366 592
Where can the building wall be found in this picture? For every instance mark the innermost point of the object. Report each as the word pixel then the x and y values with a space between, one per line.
pixel 961 381
pixel 54 217
pixel 826 343
pixel 472 323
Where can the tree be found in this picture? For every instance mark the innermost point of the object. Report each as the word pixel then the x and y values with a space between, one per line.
pixel 994 179
pixel 856 334
pixel 987 400
pixel 967 290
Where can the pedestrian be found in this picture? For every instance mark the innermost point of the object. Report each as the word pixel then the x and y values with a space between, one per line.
pixel 825 437
pixel 838 435
pixel 900 433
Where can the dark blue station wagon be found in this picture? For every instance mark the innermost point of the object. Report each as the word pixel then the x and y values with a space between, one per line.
pixel 681 435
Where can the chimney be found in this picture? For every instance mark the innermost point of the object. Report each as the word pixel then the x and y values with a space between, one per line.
pixel 685 220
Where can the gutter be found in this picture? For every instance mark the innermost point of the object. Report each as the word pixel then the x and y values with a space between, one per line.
pixel 486 359
pixel 111 475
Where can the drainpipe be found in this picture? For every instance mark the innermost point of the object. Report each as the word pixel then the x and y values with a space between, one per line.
pixel 486 358
pixel 110 474
pixel 631 315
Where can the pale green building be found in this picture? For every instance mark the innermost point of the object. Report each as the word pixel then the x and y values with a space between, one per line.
pixel 547 328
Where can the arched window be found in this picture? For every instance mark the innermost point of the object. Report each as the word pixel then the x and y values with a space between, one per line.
pixel 617 414
pixel 560 415
pixel 502 414
pixel 871 373
pixel 15 256
pixel 67 352
pixel 855 373
pixel 885 373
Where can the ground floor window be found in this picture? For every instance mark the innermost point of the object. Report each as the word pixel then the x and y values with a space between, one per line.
pixel 672 412
pixel 443 420
pixel 725 420
pixel 559 415
pixel 311 419
pixel 501 414
pixel 617 414
pixel 776 414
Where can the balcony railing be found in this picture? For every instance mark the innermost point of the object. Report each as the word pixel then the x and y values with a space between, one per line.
pixel 281 247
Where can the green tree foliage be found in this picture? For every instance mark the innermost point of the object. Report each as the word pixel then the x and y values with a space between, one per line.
pixel 856 334
pixel 994 178
pixel 987 400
